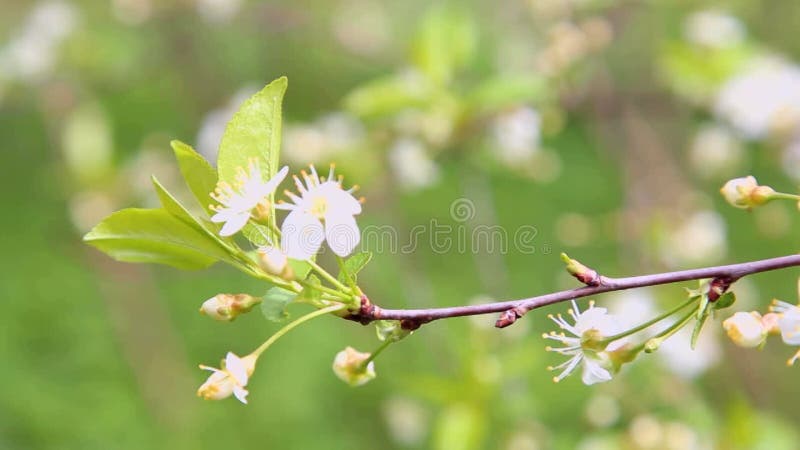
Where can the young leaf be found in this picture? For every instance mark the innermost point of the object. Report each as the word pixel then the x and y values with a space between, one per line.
pixel 725 300
pixel 353 265
pixel 300 268
pixel 174 207
pixel 389 95
pixel 198 173
pixel 154 236
pixel 702 316
pixel 254 132
pixel 445 43
pixel 274 303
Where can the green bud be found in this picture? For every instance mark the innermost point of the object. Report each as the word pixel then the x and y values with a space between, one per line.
pixel 584 274
pixel 390 330
pixel 351 366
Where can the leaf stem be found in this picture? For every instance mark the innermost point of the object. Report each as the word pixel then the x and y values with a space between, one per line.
pixel 650 322
pixel 377 352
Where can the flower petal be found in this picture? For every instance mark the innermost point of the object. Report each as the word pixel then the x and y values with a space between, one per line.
pixel 235 366
pixel 241 394
pixel 301 235
pixel 341 231
pixel 593 372
pixel 234 224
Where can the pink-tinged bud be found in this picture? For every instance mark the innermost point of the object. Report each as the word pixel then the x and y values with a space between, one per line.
pixel 226 307
pixel 351 366
pixel 746 329
pixel 745 192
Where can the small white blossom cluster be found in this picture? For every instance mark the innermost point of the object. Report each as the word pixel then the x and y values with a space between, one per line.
pixel 321 210
pixel 750 329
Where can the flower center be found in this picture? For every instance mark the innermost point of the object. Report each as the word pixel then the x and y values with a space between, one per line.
pixel 319 205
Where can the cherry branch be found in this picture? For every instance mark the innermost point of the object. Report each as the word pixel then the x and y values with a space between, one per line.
pixel 722 277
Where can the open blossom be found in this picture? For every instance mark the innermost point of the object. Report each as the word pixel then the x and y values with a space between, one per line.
pixel 230 379
pixel 584 346
pixel 237 202
pixel 323 211
pixel 789 324
pixel 746 329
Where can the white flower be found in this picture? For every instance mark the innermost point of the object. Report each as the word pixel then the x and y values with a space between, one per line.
pixel 323 211
pixel 582 347
pixel 349 366
pixel 230 379
pixel 715 151
pixel 412 166
pixel 789 324
pixel 746 329
pixel 764 99
pixel 699 239
pixel 237 202
pixel 676 355
pixel 517 135
pixel 714 29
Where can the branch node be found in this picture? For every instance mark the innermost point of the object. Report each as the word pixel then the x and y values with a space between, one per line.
pixel 508 317
pixel 719 286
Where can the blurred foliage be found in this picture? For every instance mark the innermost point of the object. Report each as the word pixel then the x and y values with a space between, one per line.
pixel 102 355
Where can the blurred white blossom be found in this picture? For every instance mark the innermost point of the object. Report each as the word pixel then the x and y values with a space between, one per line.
pixel 331 134
pixel 218 11
pixel 791 159
pixel 677 356
pixel 132 12
pixel 700 239
pixel 517 135
pixel 412 167
pixel 714 29
pixel 406 420
pixel 762 100
pixel 31 51
pixel 361 26
pixel 213 127
pixel 715 151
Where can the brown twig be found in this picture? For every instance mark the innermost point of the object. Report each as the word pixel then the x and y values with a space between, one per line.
pixel 722 276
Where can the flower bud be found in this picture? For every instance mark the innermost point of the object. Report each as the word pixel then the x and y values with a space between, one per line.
pixel 226 307
pixel 746 329
pixel 745 192
pixel 275 261
pixel 771 323
pixel 584 274
pixel 351 367
pixel 230 379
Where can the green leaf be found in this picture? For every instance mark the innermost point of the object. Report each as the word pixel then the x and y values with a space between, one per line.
pixel 445 43
pixel 389 95
pixel 353 265
pixel 725 301
pixel 197 172
pixel 507 90
pixel 254 132
pixel 274 303
pixel 309 294
pixel 174 207
pixel 154 236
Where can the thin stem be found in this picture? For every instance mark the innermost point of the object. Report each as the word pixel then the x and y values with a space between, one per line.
pixel 377 352
pixel 293 324
pixel 650 322
pixel 327 276
pixel 784 196
pixel 672 329
pixel 324 289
